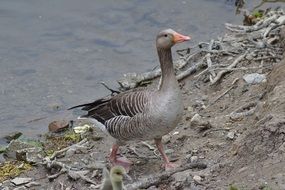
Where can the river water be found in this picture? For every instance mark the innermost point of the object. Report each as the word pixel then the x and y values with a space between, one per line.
pixel 54 53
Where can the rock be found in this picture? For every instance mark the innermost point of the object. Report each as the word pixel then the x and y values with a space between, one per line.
pixel 19 146
pixel 181 176
pixel 190 109
pixel 194 159
pixel 57 126
pixel 21 180
pixel 197 179
pixel 254 78
pixel 31 155
pixel 166 139
pixel 198 121
pixel 3 148
pixel 13 136
pixel 231 135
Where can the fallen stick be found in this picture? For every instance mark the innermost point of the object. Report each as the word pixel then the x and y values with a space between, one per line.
pixel 227 69
pixel 75 175
pixel 214 130
pixel 79 144
pixel 210 63
pixel 259 25
pixel 280 21
pixel 187 59
pixel 132 80
pixel 191 70
pixel 224 93
pixel 158 178
pixel 245 110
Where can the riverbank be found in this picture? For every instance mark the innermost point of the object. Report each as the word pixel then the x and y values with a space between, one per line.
pixel 232 131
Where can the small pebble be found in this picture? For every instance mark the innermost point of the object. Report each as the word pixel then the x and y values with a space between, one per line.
pixel 176 133
pixel 197 179
pixel 231 135
pixel 21 180
pixel 190 109
pixel 254 78
pixel 194 159
pixel 57 126
pixel 196 119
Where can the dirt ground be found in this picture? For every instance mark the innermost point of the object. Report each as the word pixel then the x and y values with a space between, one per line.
pixel 253 158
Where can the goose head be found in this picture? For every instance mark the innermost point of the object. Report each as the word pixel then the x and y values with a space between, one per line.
pixel 117 174
pixel 168 38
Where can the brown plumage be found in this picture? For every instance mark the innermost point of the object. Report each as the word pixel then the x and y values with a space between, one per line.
pixel 142 114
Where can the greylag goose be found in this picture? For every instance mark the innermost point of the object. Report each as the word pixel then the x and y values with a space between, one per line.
pixel 114 179
pixel 142 114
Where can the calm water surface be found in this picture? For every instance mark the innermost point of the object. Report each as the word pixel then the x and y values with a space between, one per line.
pixel 55 52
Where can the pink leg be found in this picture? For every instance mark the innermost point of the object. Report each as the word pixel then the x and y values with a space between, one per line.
pixel 168 165
pixel 115 160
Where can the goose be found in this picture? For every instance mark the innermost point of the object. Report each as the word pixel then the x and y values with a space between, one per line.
pixel 143 113
pixel 114 179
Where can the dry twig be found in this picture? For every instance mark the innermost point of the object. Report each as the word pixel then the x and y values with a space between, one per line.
pixel 225 92
pixel 158 178
pixel 221 73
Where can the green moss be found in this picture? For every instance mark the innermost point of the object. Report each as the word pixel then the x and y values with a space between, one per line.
pixel 57 142
pixel 71 136
pixel 257 14
pixel 12 169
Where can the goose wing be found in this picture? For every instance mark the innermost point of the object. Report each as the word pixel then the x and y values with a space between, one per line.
pixel 127 104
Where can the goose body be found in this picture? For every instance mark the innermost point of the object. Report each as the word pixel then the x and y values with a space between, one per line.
pixel 143 114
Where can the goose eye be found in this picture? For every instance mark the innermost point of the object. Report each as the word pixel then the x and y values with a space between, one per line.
pixel 165 35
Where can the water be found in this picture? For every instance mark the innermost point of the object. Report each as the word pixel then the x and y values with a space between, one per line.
pixel 55 52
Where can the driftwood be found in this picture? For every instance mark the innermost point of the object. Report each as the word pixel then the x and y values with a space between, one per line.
pixel 243 111
pixel 158 178
pixel 221 73
pixel 252 43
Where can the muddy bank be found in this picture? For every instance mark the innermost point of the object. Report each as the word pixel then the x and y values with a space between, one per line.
pixel 233 123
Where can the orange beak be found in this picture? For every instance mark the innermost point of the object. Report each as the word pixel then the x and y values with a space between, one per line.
pixel 178 38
